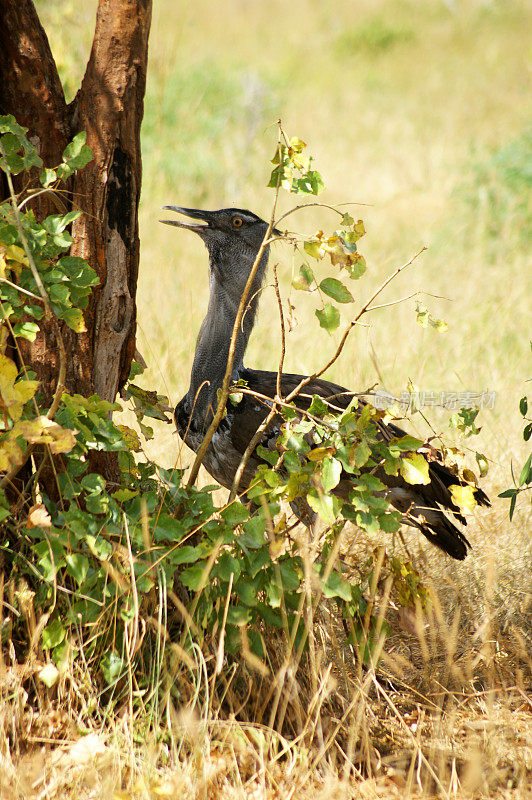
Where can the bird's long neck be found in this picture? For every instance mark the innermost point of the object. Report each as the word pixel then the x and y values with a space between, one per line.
pixel 212 346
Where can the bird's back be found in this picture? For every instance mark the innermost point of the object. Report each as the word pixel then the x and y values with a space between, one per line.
pixel 421 504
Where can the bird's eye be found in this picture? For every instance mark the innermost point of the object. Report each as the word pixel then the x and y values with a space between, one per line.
pixel 237 222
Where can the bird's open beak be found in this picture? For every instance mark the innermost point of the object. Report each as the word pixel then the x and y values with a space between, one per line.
pixel 195 213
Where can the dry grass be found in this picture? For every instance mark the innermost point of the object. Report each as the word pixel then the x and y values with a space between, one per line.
pixel 403 104
pixel 447 714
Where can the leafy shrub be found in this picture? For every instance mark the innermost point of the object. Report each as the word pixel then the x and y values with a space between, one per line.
pixel 96 565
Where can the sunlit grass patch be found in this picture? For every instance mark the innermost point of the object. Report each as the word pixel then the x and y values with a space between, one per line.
pixel 373 36
pixel 201 122
pixel 499 196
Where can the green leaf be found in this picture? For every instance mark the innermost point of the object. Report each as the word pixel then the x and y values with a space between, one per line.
pixel 99 547
pixel 227 566
pixel 313 248
pixel 526 473
pixel 305 280
pixel 329 317
pixel 274 594
pixel 508 493
pixel 247 592
pixel 53 634
pixel 74 319
pixel 482 462
pixel 50 557
pixel 523 406
pixel 415 469
pixel 192 577
pixel 15 140
pixel 270 616
pixel 71 216
pixel 59 293
pixel 135 370
pixel 336 586
pixel 112 666
pixel 271 456
pixel 235 514
pixel 185 554
pixel 331 470
pixel 424 318
pixel 238 615
pixel 26 330
pixel 310 182
pixel 47 177
pixel 464 420
pixel 258 560
pixel 390 522
pixel 253 536
pixel 122 495
pixel 79 272
pixel 76 154
pixel 317 406
pixel 407 443
pixel 289 576
pixel 326 506
pixel 336 289
pixel 93 482
pixel 361 453
pixel 77 566
pixel 356 266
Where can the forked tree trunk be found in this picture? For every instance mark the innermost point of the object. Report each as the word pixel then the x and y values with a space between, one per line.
pixel 109 106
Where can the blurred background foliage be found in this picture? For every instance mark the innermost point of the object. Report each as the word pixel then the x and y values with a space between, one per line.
pixel 418 108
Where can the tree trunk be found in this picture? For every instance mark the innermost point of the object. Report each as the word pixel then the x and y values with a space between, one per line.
pixel 109 107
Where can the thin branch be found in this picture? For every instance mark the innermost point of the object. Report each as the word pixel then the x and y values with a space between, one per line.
pixel 21 289
pixel 365 308
pixel 319 205
pixel 267 401
pixel 283 332
pixel 32 194
pixel 407 297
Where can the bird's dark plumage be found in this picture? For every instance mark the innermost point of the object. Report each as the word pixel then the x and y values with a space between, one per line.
pixel 233 238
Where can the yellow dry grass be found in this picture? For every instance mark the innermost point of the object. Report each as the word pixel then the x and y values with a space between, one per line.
pixel 403 104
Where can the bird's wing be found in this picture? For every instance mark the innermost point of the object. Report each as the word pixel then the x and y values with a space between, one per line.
pixel 421 504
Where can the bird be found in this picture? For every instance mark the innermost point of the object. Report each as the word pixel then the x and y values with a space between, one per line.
pixel 233 238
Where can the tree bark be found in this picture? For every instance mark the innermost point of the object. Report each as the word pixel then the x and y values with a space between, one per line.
pixel 109 107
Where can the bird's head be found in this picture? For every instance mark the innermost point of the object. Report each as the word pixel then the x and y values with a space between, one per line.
pixel 233 238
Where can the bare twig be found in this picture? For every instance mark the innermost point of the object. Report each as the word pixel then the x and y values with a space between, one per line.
pixel 283 332
pixel 22 290
pixel 319 205
pixel 407 297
